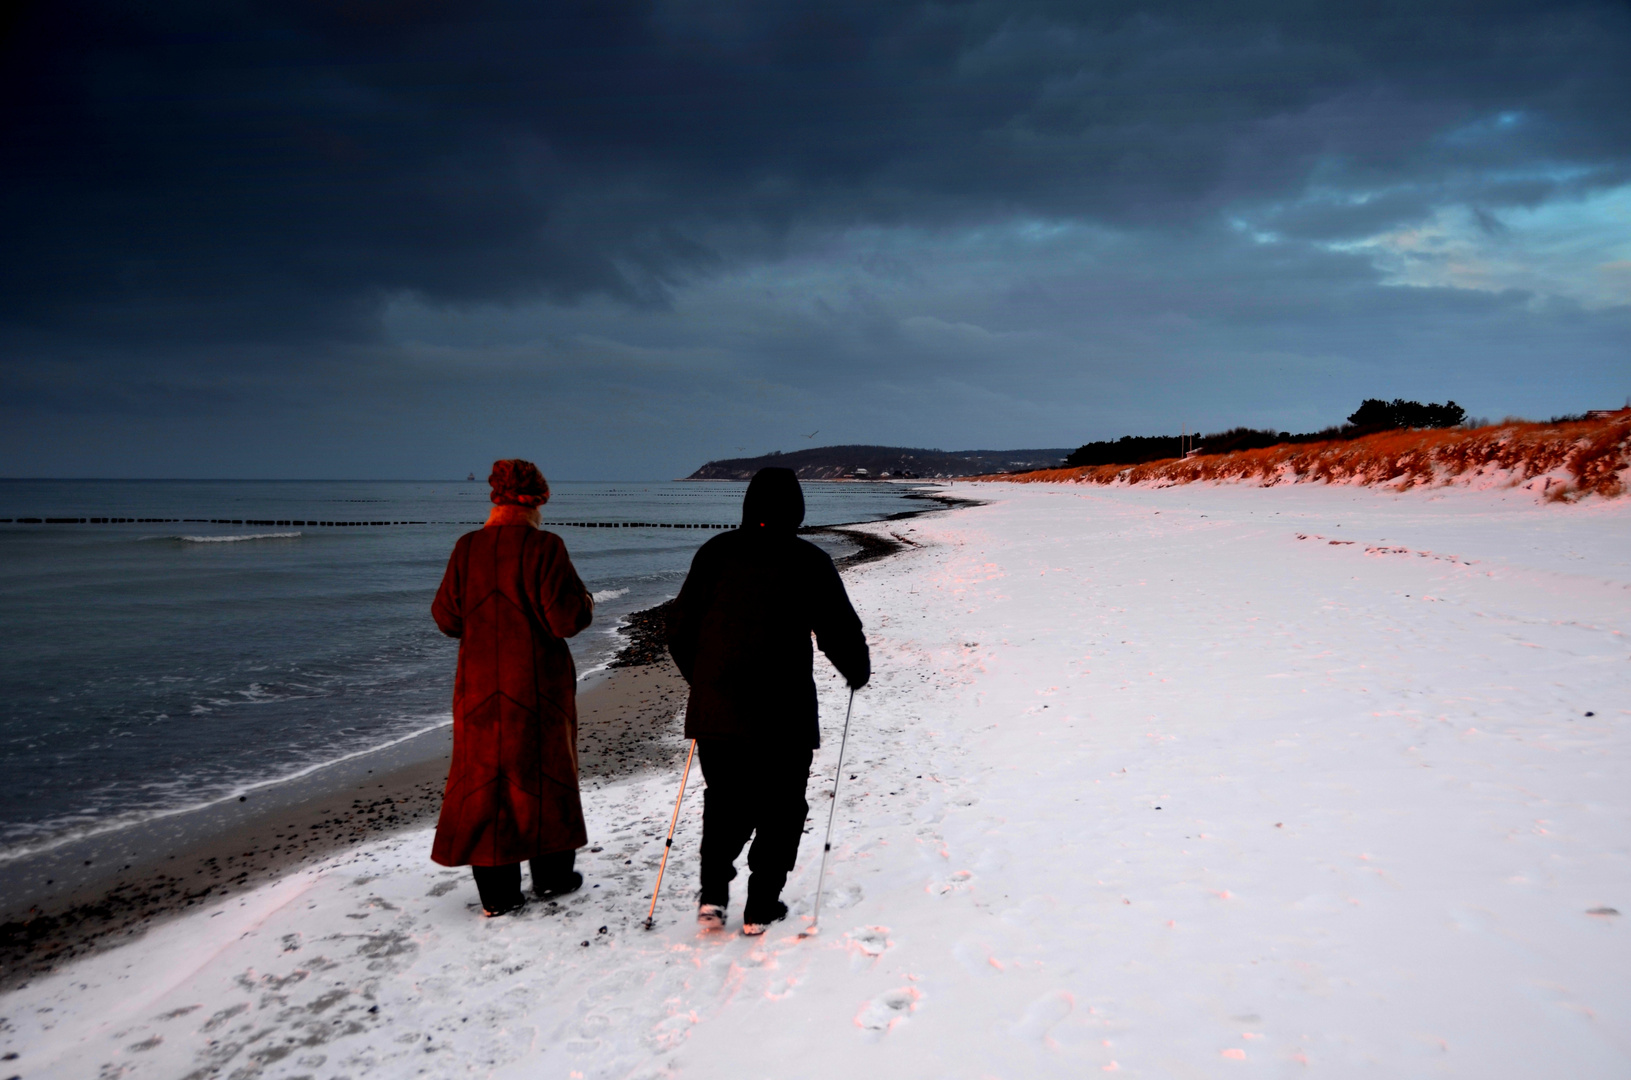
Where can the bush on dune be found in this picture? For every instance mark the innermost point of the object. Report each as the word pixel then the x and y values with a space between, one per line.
pixel 1594 451
pixel 1373 415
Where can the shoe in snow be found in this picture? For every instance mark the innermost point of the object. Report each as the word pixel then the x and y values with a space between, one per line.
pixel 559 887
pixel 710 917
pixel 758 921
pixel 493 913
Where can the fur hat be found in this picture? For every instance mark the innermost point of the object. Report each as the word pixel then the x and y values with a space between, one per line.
pixel 519 483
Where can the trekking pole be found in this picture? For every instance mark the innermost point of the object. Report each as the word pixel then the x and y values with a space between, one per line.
pixel 821 879
pixel 675 820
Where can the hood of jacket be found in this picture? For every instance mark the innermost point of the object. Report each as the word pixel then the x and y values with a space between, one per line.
pixel 774 502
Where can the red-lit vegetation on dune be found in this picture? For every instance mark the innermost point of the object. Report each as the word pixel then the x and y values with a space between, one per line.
pixel 1563 461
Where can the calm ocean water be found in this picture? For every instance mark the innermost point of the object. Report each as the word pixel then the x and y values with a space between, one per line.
pixel 147 667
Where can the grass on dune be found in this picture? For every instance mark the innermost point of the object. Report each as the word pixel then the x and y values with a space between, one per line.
pixel 1594 452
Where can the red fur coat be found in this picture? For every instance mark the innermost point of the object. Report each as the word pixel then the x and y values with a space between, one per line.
pixel 511 595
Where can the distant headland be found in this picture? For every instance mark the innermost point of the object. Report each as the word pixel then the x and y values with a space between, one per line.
pixel 884 463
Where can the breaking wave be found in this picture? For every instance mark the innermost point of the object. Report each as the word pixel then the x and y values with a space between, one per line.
pixel 608 594
pixel 35 837
pixel 227 539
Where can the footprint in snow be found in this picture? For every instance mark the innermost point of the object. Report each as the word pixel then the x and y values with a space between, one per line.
pixel 866 944
pixel 1042 1015
pixel 221 1017
pixel 183 1011
pixel 871 940
pixel 886 1011
pixel 442 888
pixel 671 1031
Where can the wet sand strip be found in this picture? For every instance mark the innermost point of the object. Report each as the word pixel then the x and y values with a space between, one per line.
pixel 101 891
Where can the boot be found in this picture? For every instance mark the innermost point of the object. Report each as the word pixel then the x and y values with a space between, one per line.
pixel 764 904
pixel 499 888
pixel 572 882
pixel 757 919
pixel 552 875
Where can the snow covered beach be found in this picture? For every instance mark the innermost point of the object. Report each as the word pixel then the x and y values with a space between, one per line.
pixel 1191 782
pixel 79 897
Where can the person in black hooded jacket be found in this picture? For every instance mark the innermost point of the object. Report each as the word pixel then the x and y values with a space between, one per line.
pixel 740 633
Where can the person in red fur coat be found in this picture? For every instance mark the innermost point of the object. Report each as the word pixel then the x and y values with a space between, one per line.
pixel 511 596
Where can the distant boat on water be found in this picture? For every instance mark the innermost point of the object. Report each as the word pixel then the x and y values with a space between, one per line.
pixel 471 477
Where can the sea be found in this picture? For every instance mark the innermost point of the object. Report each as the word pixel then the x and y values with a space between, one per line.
pixel 167 644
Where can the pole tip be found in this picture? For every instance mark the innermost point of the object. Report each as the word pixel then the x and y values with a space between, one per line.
pixel 648 924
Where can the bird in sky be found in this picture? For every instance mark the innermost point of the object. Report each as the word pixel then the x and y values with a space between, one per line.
pixel 813 434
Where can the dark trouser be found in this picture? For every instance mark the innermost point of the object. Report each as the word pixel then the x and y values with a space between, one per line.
pixel 500 886
pixel 758 791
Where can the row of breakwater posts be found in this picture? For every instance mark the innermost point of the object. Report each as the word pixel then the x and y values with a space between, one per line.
pixel 306 523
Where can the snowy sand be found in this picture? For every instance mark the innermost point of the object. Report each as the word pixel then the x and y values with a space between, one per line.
pixel 1188 783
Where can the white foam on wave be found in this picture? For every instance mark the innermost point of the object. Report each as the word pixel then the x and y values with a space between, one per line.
pixel 232 538
pixel 103 825
pixel 590 672
pixel 608 594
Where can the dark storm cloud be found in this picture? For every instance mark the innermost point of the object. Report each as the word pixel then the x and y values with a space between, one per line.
pixel 653 209
pixel 244 170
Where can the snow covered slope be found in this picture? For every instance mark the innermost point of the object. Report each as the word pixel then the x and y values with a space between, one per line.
pixel 1204 782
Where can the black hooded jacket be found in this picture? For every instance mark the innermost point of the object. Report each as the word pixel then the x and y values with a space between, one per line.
pixel 740 630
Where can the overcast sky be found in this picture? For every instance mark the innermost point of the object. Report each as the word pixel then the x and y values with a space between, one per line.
pixel 399 238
